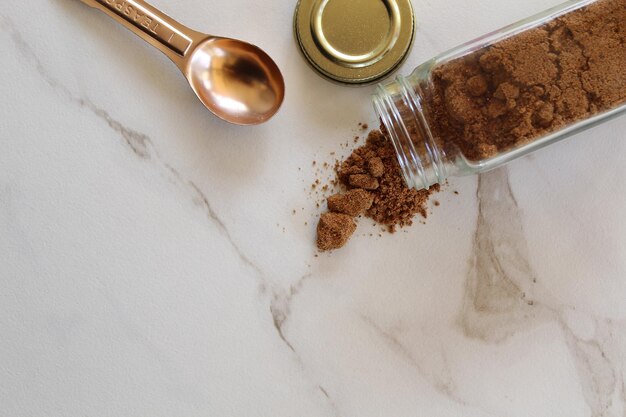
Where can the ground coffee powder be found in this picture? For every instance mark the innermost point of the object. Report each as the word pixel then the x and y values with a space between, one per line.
pixel 375 188
pixel 531 84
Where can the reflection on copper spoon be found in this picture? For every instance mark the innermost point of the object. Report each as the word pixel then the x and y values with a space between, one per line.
pixel 235 80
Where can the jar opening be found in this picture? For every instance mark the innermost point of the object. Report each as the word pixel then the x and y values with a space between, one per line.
pixel 399 108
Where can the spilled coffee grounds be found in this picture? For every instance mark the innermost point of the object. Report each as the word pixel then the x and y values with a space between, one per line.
pixel 374 187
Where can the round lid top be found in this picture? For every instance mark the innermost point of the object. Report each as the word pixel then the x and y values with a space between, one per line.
pixel 353 41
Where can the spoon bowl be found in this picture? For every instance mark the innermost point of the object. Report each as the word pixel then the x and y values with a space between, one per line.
pixel 235 80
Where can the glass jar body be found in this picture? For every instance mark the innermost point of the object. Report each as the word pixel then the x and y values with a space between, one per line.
pixel 508 93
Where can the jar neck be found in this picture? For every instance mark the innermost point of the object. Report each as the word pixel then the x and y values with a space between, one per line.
pixel 400 107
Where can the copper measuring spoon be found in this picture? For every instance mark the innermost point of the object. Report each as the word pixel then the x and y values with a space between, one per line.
pixel 235 80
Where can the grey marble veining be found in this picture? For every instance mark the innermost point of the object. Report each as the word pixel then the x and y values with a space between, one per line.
pixel 151 262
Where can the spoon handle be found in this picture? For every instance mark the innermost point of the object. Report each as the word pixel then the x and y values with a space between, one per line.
pixel 155 27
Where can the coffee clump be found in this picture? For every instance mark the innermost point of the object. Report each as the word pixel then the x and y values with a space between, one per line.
pixel 353 203
pixel 334 230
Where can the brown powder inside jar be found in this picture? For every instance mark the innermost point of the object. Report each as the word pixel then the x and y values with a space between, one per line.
pixel 531 84
pixel 375 188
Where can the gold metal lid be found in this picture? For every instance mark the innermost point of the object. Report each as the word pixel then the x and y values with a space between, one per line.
pixel 354 41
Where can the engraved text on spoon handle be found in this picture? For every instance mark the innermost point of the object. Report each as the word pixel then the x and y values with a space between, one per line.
pixel 149 21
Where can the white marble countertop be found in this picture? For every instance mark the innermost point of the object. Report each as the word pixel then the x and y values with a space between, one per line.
pixel 150 264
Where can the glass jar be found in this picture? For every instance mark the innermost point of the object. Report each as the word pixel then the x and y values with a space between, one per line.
pixel 508 93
